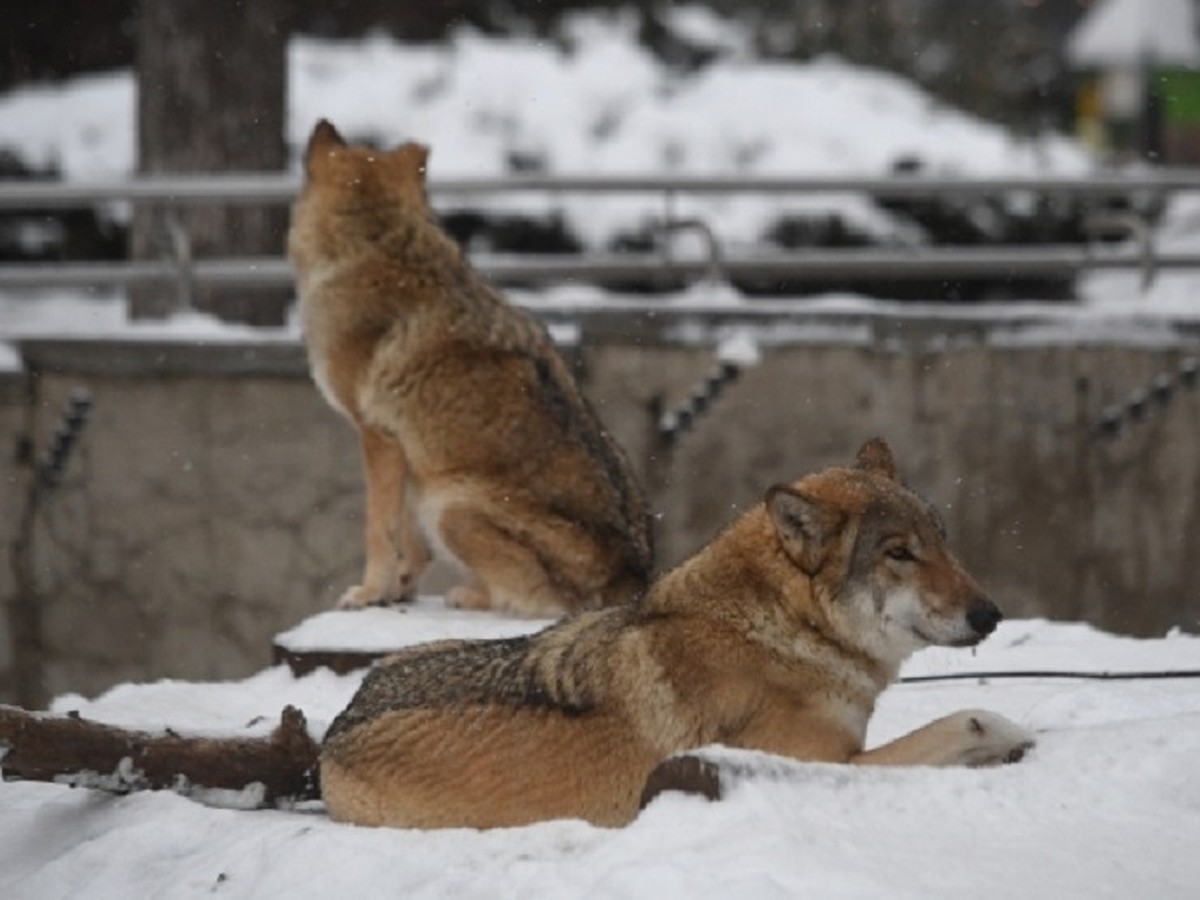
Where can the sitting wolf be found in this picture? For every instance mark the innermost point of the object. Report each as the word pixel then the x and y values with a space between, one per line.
pixel 478 446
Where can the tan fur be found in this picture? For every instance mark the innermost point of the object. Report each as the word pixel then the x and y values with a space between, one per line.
pixel 476 441
pixel 778 636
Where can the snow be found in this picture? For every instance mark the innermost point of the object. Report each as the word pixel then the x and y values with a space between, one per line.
pixel 1106 805
pixel 103 315
pixel 10 359
pixel 702 27
pixel 595 103
pixel 739 349
pixel 1136 33
pixel 85 128
pixel 376 629
pixel 602 105
pixel 607 106
pixel 1172 293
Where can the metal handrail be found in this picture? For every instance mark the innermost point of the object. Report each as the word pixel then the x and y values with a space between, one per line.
pixel 1058 261
pixel 879 263
pixel 249 187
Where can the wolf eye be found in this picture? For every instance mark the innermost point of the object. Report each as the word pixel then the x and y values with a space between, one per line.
pixel 900 553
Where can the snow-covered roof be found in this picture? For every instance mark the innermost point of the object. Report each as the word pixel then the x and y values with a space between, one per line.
pixel 1133 32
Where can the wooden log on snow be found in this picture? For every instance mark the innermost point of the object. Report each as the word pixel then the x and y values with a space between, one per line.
pixel 279 768
pixel 686 774
pixel 714 772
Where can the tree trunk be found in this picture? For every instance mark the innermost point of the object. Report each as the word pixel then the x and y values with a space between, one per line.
pixel 211 97
pixel 71 750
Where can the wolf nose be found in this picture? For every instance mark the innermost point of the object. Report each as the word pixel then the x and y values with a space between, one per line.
pixel 983 616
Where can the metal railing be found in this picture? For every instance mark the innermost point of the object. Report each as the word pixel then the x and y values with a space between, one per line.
pixel 876 263
pixel 881 264
pixel 251 187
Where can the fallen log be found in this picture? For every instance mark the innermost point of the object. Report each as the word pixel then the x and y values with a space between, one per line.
pixel 275 770
pixel 714 772
pixel 687 774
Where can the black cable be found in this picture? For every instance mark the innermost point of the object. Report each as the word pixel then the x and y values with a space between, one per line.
pixel 54 459
pixel 674 423
pixel 1078 676
pixel 1141 401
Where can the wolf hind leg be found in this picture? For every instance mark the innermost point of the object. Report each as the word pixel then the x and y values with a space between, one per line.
pixel 470 595
pixel 507 572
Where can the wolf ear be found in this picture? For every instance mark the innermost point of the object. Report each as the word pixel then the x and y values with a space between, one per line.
pixel 875 456
pixel 806 527
pixel 413 157
pixel 324 138
pixel 419 153
pixel 324 134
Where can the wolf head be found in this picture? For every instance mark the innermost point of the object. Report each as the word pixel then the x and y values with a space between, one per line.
pixel 353 194
pixel 877 557
pixel 363 172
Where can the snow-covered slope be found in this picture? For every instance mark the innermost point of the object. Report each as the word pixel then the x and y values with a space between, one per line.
pixel 595 103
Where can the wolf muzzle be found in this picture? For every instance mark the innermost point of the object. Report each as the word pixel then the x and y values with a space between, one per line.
pixel 983 616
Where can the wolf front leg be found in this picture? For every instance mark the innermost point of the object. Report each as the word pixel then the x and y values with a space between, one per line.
pixel 972 737
pixel 396 555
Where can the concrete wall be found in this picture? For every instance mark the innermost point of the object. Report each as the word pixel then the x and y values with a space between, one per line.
pixel 199 517
pixel 214 499
pixel 1053 521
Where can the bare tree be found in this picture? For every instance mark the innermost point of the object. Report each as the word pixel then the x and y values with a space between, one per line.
pixel 211 97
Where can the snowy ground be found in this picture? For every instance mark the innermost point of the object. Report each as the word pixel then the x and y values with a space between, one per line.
pixel 1107 805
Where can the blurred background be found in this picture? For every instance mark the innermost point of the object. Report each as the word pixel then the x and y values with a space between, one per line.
pixel 761 233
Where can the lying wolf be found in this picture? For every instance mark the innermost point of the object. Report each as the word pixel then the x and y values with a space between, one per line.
pixel 778 636
pixel 477 443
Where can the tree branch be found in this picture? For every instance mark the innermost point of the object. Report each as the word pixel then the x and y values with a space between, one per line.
pixel 279 768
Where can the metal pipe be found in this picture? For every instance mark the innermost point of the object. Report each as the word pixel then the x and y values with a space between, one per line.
pixel 272 187
pixel 880 264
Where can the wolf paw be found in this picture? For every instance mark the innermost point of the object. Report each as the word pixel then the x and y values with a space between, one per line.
pixel 361 596
pixel 463 597
pixel 992 739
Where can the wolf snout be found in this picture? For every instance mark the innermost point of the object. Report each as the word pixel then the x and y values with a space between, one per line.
pixel 983 616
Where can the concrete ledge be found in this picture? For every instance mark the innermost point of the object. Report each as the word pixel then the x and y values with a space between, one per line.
pixel 163 356
pixel 645 323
